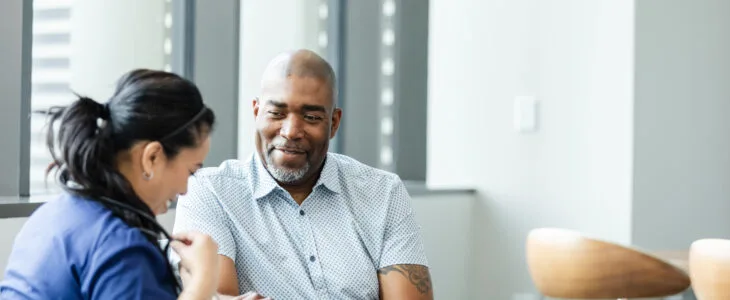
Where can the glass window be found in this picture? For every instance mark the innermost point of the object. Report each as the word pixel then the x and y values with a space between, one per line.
pixel 83 46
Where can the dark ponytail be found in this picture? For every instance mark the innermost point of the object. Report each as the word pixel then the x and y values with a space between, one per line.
pixel 86 148
pixel 147 105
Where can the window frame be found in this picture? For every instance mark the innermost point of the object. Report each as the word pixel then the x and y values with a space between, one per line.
pixel 215 52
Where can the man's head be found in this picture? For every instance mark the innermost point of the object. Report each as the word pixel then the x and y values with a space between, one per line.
pixel 296 116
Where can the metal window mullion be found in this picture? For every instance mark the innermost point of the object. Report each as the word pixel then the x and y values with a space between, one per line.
pixel 25 99
pixel 183 37
pixel 16 20
pixel 213 63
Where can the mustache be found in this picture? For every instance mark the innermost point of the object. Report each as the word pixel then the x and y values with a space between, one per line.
pixel 289 145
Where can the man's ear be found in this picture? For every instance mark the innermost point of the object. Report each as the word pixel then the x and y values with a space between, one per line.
pixel 336 116
pixel 153 157
pixel 255 104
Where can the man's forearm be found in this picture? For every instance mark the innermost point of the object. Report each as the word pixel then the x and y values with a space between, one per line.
pixel 405 281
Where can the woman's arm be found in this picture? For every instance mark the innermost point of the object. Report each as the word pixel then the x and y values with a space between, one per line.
pixel 127 266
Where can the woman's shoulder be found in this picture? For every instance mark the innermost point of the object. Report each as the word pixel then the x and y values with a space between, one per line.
pixel 69 212
pixel 82 244
pixel 76 222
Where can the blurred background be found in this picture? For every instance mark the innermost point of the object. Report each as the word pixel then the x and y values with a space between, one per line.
pixel 603 116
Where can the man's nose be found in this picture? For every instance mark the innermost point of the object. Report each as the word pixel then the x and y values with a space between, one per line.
pixel 291 129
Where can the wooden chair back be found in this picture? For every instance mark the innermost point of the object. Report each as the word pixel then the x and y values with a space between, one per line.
pixel 566 264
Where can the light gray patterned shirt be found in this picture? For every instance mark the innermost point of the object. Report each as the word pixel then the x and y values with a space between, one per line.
pixel 357 220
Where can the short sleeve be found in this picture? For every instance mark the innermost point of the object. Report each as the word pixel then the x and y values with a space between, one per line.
pixel 402 242
pixel 199 210
pixel 127 266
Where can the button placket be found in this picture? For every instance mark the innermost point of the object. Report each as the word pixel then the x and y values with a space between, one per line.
pixel 310 248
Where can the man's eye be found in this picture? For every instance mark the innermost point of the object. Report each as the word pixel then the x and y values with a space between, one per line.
pixel 275 113
pixel 312 118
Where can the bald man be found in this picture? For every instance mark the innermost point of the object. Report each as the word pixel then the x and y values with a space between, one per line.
pixel 297 222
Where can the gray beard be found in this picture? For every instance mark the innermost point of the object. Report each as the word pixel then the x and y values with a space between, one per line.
pixel 283 175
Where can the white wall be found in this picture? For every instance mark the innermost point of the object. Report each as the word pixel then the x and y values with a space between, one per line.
pixel 267 29
pixel 446 235
pixel 446 225
pixel 682 128
pixel 576 57
pixel 10 228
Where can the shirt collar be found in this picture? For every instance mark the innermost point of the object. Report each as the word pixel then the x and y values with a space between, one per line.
pixel 329 177
pixel 264 183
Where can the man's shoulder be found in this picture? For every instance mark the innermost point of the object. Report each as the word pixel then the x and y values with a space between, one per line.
pixel 230 175
pixel 355 171
pixel 231 168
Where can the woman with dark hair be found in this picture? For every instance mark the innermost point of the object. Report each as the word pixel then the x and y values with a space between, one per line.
pixel 120 164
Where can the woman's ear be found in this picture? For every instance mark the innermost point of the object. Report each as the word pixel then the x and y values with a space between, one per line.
pixel 153 158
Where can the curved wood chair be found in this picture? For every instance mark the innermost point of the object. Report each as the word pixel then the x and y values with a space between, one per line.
pixel 709 268
pixel 565 264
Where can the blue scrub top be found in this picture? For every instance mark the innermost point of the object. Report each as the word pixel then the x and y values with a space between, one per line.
pixel 72 248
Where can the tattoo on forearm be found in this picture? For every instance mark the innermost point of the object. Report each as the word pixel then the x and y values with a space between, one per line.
pixel 418 275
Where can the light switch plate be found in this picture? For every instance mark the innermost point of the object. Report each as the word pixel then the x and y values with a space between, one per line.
pixel 525 114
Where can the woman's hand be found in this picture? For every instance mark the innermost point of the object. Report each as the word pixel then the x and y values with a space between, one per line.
pixel 199 258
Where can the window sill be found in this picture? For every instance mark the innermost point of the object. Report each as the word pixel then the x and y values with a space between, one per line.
pixel 18 207
pixel 21 207
pixel 419 188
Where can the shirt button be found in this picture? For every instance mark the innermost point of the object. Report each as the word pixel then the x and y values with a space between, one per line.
pixel 301 212
pixel 312 258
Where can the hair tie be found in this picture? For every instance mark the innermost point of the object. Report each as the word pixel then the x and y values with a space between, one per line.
pixel 100 124
pixel 105 113
pixel 103 118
